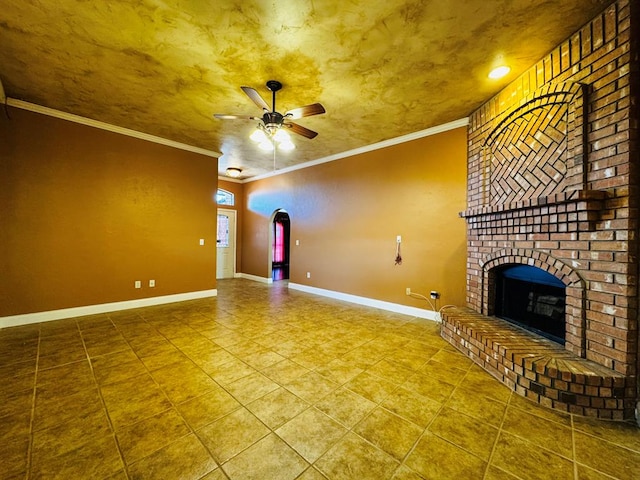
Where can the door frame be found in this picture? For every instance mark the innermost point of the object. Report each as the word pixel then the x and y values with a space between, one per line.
pixel 234 214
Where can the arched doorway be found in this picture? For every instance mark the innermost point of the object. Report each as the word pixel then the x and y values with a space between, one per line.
pixel 280 239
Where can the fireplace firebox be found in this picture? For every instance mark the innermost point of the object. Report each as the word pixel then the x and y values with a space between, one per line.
pixel 531 298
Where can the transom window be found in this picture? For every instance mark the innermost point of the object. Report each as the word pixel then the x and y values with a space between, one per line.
pixel 224 197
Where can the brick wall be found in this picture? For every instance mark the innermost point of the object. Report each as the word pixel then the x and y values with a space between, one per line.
pixel 553 182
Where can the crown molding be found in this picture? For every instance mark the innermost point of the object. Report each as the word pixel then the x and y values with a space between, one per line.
pixel 32 107
pixel 229 179
pixel 463 122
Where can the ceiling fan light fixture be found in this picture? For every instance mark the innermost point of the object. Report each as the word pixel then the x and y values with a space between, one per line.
pixel 286 145
pixel 271 135
pixel 258 135
pixel 281 136
pixel 233 172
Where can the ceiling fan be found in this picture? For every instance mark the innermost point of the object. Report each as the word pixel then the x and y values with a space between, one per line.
pixel 272 121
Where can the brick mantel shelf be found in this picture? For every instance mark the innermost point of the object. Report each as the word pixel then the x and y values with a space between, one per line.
pixel 581 201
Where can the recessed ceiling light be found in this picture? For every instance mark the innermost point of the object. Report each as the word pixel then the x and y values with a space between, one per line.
pixel 499 72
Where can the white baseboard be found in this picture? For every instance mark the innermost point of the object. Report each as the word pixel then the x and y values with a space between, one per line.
pixel 255 278
pixel 28 318
pixel 369 302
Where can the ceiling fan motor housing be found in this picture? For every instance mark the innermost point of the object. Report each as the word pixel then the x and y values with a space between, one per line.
pixel 272 121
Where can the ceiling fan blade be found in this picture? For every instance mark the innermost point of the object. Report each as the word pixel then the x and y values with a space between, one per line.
pixel 222 116
pixel 306 111
pixel 255 96
pixel 300 130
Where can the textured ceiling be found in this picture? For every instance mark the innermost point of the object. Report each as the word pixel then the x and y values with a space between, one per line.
pixel 381 68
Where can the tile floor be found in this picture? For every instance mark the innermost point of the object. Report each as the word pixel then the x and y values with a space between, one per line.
pixel 266 383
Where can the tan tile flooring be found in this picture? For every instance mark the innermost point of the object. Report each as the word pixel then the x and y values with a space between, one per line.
pixel 266 383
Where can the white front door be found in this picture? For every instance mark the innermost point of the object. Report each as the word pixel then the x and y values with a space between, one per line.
pixel 226 244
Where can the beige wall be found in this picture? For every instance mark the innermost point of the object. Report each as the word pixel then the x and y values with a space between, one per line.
pixel 347 214
pixel 84 213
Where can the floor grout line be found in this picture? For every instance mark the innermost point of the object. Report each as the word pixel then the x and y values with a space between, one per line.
pixel 495 442
pixel 104 404
pixel 171 402
pixel 573 449
pixel 33 409
pixel 386 343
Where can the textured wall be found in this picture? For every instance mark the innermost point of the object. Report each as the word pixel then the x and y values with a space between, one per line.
pixel 347 214
pixel 85 213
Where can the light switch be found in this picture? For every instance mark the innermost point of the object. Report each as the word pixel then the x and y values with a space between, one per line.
pixel 202 241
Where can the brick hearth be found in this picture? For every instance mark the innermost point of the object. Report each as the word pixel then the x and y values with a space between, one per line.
pixel 538 368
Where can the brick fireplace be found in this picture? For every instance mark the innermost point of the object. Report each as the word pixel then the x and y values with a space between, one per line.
pixel 553 184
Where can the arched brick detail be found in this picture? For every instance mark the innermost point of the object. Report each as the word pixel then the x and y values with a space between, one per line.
pixel 551 93
pixel 534 258
pixel 575 319
pixel 536 148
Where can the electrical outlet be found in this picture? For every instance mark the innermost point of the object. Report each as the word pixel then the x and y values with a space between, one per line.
pixel 137 284
pixel 435 295
pixel 202 241
pixel 152 283
pixel 308 274
pixel 408 291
